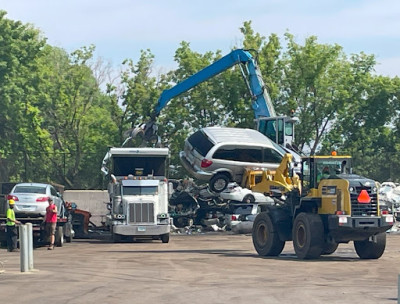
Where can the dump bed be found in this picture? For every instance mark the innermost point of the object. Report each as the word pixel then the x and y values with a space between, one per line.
pixel 138 161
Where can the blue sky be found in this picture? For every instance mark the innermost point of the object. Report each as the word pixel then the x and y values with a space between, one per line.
pixel 121 28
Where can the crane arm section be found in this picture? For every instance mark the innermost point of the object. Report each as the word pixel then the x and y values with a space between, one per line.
pixel 261 102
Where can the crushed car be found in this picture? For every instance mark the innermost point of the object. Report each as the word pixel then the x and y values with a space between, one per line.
pixel 198 206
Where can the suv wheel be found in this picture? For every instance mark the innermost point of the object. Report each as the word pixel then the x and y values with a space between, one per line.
pixel 219 182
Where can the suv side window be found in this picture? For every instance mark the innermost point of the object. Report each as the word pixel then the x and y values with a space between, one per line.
pixel 249 155
pixel 271 156
pixel 225 153
pixel 200 142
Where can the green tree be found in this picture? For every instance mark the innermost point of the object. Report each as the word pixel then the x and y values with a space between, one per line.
pixel 21 47
pixel 77 117
pixel 314 84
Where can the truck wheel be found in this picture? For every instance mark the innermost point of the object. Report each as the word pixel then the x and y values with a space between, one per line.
pixel 219 182
pixel 369 249
pixel 265 237
pixel 329 248
pixel 308 236
pixel 68 230
pixel 116 238
pixel 59 236
pixel 165 238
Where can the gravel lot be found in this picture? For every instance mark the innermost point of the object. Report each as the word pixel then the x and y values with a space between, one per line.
pixel 202 268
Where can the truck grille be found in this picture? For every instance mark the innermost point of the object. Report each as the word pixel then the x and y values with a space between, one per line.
pixel 141 213
pixel 363 209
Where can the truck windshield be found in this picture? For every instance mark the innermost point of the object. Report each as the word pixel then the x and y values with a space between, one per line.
pixel 140 190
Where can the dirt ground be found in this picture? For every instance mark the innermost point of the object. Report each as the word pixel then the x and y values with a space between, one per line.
pixel 203 268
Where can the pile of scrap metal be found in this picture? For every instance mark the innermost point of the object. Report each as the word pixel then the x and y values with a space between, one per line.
pixel 197 208
pixel 192 205
pixel 389 196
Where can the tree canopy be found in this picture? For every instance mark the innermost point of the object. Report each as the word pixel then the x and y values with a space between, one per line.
pixel 59 116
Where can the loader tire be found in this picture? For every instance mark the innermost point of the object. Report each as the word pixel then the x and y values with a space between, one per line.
pixel 371 250
pixel 308 236
pixel 266 240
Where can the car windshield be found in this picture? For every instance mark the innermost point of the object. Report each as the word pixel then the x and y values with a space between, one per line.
pixel 30 189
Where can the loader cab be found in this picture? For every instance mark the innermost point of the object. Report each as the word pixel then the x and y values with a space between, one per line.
pixel 316 168
pixel 278 129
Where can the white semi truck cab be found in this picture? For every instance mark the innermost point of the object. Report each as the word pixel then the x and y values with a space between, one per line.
pixel 138 190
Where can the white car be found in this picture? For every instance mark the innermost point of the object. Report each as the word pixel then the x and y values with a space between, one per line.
pixel 236 193
pixel 242 217
pixel 31 199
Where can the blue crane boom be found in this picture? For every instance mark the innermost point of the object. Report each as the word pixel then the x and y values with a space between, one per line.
pixel 261 102
pixel 279 129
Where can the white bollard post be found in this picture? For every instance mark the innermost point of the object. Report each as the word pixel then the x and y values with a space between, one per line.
pixel 30 246
pixel 398 290
pixel 23 244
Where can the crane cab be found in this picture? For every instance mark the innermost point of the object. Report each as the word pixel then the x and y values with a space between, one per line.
pixel 278 129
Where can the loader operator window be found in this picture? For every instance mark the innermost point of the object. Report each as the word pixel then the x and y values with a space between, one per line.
pixel 329 168
pixel 306 176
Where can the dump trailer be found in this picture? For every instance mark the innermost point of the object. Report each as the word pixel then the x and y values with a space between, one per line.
pixel 327 206
pixel 64 229
pixel 138 190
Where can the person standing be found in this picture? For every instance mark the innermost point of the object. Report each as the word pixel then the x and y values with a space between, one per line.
pixel 11 227
pixel 51 222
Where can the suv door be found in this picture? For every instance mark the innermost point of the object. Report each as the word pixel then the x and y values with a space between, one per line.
pixel 234 159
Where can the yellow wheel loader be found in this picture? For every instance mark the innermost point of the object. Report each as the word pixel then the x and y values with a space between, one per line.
pixel 324 206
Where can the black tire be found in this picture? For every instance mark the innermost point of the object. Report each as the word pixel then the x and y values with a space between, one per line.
pixel 165 238
pixel 370 250
pixel 116 238
pixel 248 199
pixel 308 236
pixel 59 237
pixel 219 182
pixel 329 248
pixel 266 240
pixel 68 239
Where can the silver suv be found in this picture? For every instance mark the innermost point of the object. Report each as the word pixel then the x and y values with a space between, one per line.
pixel 220 155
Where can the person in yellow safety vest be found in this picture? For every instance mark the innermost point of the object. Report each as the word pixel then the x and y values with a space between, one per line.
pixel 11 227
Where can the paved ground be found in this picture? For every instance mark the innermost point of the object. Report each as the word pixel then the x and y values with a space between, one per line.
pixel 205 268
